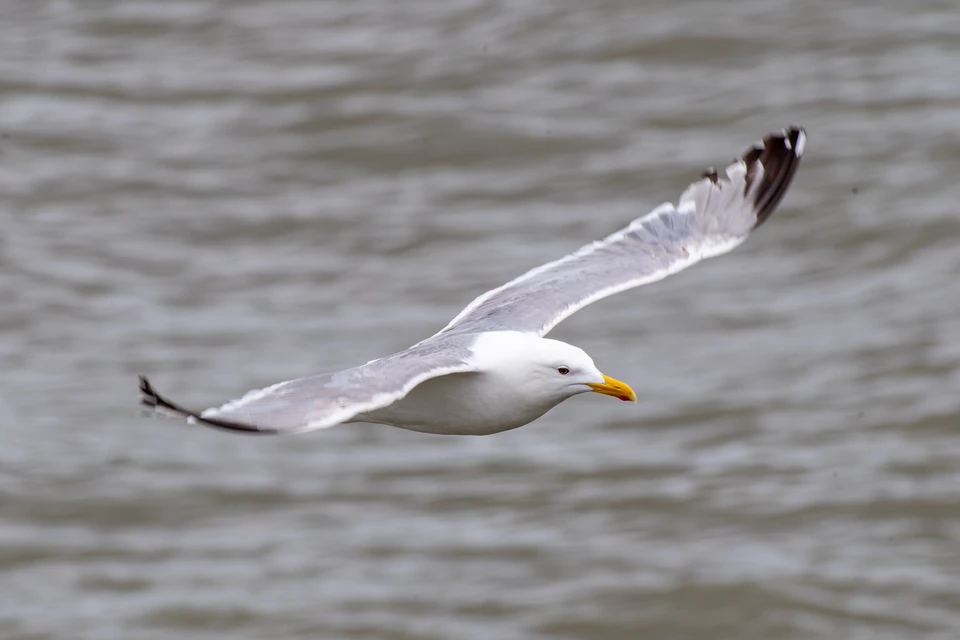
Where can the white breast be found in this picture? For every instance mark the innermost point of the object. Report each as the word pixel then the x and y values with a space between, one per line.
pixel 463 404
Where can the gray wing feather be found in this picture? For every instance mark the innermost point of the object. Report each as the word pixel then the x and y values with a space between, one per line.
pixel 713 216
pixel 321 401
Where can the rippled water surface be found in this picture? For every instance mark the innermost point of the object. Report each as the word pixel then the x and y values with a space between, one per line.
pixel 227 194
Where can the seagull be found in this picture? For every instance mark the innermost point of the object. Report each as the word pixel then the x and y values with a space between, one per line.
pixel 491 369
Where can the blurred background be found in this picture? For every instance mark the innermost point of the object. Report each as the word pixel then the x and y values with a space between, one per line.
pixel 228 194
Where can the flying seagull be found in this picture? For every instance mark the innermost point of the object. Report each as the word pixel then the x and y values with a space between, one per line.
pixel 491 369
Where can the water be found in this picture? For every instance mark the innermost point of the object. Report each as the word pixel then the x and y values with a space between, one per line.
pixel 227 194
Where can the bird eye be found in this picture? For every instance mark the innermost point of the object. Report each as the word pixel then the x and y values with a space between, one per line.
pixel 563 370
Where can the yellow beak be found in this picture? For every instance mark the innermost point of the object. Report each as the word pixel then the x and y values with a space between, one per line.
pixel 615 388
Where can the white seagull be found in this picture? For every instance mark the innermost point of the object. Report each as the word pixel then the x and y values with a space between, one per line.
pixel 491 369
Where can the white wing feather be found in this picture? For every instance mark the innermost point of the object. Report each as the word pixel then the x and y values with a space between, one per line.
pixel 712 217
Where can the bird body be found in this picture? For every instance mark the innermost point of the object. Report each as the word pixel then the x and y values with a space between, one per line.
pixel 491 368
pixel 517 379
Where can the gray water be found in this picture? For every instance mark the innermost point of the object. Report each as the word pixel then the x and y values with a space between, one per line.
pixel 227 194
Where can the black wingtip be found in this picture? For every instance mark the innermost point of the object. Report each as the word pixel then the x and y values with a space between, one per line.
pixel 778 154
pixel 150 398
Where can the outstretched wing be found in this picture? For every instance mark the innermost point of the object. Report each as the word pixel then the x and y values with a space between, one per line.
pixel 322 401
pixel 713 216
